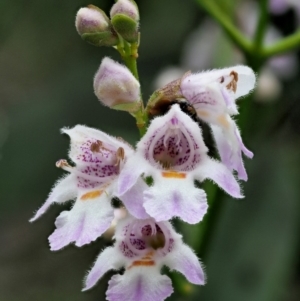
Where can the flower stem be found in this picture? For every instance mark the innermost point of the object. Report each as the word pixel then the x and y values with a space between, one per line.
pixel 261 26
pixel 286 44
pixel 129 54
pixel 234 34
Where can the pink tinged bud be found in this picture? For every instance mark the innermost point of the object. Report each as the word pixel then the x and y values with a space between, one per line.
pixel 127 8
pixel 91 20
pixel 116 87
pixel 125 19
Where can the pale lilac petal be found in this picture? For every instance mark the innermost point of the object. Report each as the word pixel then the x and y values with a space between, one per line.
pixel 84 223
pixel 184 260
pixel 63 191
pixel 220 174
pixel 133 200
pixel 230 147
pixel 139 284
pixel 130 174
pixel 109 259
pixel 175 197
pixel 246 151
pixel 230 102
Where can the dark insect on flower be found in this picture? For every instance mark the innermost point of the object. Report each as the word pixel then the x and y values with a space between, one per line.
pixel 164 105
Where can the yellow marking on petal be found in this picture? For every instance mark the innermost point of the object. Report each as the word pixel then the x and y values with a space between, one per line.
pixel 144 263
pixel 91 195
pixel 203 114
pixel 173 174
pixel 222 119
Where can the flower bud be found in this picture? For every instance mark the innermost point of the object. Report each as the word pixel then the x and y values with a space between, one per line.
pixel 125 19
pixel 94 26
pixel 116 87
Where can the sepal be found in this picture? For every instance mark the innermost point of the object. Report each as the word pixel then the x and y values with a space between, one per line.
pixel 125 20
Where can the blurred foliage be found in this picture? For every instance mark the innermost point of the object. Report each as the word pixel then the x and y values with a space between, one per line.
pixel 46 83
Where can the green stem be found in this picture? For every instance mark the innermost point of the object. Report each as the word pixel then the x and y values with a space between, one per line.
pixel 129 57
pixel 234 34
pixel 287 44
pixel 261 26
pixel 129 54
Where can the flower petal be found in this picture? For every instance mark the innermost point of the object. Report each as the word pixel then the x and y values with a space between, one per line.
pixel 220 174
pixel 230 147
pixel 64 190
pixel 245 79
pixel 133 200
pixel 130 174
pixel 80 134
pixel 171 197
pixel 91 215
pixel 139 284
pixel 109 259
pixel 173 141
pixel 184 260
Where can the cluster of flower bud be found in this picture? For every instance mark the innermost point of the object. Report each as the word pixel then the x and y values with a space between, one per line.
pixel 94 26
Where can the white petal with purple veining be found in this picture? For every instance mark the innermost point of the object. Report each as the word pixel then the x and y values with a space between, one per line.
pixel 84 223
pixel 109 259
pixel 139 284
pixel 133 199
pixel 184 260
pixel 175 197
pixel 64 190
pixel 220 174
pixel 132 170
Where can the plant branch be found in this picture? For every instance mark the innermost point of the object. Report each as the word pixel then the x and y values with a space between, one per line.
pixel 234 34
pixel 286 44
pixel 261 26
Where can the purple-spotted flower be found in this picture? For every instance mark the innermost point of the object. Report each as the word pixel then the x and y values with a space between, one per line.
pixel 99 159
pixel 143 247
pixel 173 153
pixel 213 95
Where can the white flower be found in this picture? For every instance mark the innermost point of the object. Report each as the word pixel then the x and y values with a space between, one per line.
pixel 99 159
pixel 213 95
pixel 173 153
pixel 143 247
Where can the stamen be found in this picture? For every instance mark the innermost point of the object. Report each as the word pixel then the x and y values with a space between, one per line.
pixel 63 164
pixel 232 85
pixel 120 156
pixel 96 146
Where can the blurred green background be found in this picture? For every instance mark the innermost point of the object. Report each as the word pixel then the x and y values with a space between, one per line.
pixel 46 73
